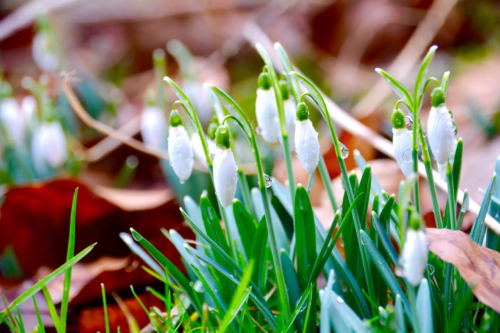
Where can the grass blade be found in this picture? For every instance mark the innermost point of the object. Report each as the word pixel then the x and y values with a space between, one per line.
pixel 38 286
pixel 52 309
pixel 40 327
pixel 105 307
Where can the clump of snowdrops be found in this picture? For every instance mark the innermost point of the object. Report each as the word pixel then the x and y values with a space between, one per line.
pixel 247 275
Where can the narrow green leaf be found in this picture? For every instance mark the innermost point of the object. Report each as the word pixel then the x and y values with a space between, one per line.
pixel 396 86
pixel 292 283
pixel 400 315
pixel 20 322
pixel 246 226
pixel 240 297
pixel 41 328
pixel 258 254
pixel 212 223
pixel 494 211
pixel 105 307
pixel 69 255
pixel 424 308
pixel 385 271
pixel 305 236
pixel 386 241
pixel 478 229
pixel 174 272
pixel 52 309
pixel 37 287
pixel 259 301
pixel 422 72
pixel 299 307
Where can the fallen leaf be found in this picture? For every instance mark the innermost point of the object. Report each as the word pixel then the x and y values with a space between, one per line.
pixel 478 266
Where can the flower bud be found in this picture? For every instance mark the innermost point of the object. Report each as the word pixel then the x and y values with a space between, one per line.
pixel 441 131
pixel 266 110
pixel 225 169
pixel 45 51
pixel 402 141
pixel 49 147
pixel 12 121
pixel 413 260
pixel 153 126
pixel 179 148
pixel 306 140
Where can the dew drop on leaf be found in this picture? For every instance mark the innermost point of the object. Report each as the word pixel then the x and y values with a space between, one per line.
pixel 268 180
pixel 344 151
pixel 339 299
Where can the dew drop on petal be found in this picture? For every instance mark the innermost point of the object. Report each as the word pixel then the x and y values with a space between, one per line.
pixel 399 270
pixel 259 131
pixel 182 181
pixel 409 123
pixel 344 151
pixel 339 299
pixel 268 180
pixel 407 156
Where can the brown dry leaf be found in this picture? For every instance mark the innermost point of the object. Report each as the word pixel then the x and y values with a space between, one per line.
pixel 478 266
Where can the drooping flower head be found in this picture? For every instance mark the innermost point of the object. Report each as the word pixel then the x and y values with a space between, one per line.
pixel 441 131
pixel 225 168
pixel 290 111
pixel 179 148
pixel 306 139
pixel 49 147
pixel 266 110
pixel 402 140
pixel 153 126
pixel 413 260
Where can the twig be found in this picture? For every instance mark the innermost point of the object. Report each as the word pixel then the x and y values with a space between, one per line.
pixel 350 124
pixel 408 58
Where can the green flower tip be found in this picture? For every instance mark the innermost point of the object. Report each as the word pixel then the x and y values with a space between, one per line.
pixel 438 97
pixel 398 119
pixel 302 112
pixel 158 54
pixel 222 137
pixel 415 221
pixel 212 128
pixel 264 81
pixel 284 90
pixel 175 118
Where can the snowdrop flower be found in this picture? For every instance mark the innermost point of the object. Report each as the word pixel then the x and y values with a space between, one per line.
pixel 225 169
pixel 153 126
pixel 306 140
pixel 402 141
pixel 28 108
pixel 413 260
pixel 49 148
pixel 266 110
pixel 290 111
pixel 441 131
pixel 45 52
pixel 179 148
pixel 198 151
pixel 12 121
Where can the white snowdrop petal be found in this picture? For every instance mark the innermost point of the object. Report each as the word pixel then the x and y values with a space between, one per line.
pixel 414 256
pixel 198 151
pixel 225 175
pixel 153 126
pixel 290 110
pixel 49 147
pixel 402 141
pixel 441 135
pixel 307 145
pixel 180 152
pixel 44 55
pixel 12 120
pixel 267 115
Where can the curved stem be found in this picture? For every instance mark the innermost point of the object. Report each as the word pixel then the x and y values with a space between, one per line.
pixel 345 180
pixel 282 119
pixel 263 190
pixel 194 117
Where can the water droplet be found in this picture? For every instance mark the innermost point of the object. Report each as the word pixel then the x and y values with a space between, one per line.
pixel 339 299
pixel 409 123
pixel 344 151
pixel 191 283
pixel 431 269
pixel 399 270
pixel 268 180
pixel 182 181
pixel 341 241
pixel 269 265
pixel 424 131
pixel 259 130
pixel 407 156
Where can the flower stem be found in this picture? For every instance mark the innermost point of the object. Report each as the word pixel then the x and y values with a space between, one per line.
pixel 282 119
pixel 345 180
pixel 323 171
pixel 263 190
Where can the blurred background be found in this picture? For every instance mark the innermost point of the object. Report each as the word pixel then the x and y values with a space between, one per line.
pixel 112 51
